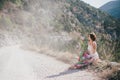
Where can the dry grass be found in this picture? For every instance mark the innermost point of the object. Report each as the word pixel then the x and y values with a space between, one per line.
pixel 105 74
pixel 66 57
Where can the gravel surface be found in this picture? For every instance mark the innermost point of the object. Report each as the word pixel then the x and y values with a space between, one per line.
pixel 19 64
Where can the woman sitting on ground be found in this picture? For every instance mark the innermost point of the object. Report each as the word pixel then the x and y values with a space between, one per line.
pixel 91 55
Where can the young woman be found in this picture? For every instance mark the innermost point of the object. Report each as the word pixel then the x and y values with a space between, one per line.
pixel 92 48
pixel 91 56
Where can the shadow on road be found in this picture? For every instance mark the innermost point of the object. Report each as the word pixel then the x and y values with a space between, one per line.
pixel 63 73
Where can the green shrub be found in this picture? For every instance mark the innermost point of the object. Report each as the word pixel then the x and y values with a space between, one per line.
pixel 2 2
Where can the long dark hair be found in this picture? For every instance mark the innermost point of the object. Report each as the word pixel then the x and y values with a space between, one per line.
pixel 92 36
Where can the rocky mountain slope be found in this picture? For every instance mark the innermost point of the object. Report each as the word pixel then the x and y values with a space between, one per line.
pixel 60 25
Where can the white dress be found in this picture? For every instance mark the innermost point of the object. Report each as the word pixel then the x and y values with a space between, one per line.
pixel 93 55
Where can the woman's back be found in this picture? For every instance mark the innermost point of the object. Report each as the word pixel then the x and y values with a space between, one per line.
pixel 92 50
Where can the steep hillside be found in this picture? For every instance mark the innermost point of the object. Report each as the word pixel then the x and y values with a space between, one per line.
pixel 59 25
pixel 112 8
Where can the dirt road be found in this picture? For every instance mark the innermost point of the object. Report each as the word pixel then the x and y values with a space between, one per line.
pixel 19 64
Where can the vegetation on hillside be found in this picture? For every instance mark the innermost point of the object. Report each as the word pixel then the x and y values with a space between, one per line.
pixel 112 8
pixel 2 2
pixel 73 17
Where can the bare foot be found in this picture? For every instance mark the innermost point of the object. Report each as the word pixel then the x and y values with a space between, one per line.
pixel 72 67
